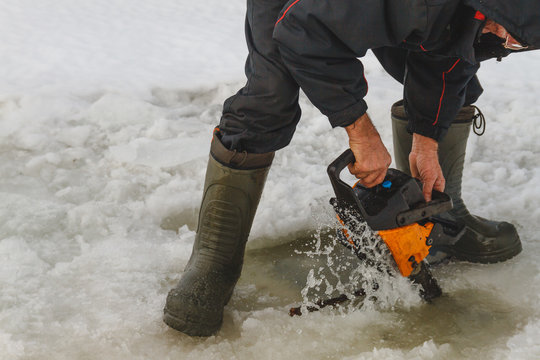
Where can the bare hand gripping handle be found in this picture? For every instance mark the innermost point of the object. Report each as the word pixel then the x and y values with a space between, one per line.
pixel 397 202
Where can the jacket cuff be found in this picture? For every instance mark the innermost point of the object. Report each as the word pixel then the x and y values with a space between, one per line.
pixel 435 132
pixel 349 115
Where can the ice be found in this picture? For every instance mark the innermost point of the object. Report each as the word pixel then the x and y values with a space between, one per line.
pixel 161 153
pixel 106 114
pixel 525 345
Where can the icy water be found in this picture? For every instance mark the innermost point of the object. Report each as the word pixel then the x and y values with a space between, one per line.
pixel 467 322
pixel 465 318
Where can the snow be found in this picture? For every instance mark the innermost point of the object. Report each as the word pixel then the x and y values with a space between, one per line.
pixel 106 113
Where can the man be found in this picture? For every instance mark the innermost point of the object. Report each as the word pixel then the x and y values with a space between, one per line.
pixel 431 46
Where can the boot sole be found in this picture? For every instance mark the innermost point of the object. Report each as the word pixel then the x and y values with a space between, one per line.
pixel 493 257
pixel 191 328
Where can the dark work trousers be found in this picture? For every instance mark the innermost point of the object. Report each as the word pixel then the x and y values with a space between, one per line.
pixel 262 116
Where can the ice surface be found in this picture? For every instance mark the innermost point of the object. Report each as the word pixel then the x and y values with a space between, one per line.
pixel 106 112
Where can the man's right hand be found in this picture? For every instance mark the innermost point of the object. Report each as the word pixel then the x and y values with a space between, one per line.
pixel 372 157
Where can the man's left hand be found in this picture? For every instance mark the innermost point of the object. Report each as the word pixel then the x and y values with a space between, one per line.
pixel 424 162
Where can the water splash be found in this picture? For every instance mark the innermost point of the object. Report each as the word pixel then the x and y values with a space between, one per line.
pixel 344 270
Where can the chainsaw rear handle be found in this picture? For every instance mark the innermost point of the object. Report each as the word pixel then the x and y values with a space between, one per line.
pixel 405 207
pixel 335 168
pixel 344 193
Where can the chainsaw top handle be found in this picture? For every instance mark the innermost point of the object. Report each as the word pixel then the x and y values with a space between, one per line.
pixel 397 202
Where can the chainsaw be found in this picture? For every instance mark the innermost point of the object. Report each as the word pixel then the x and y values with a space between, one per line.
pixel 398 220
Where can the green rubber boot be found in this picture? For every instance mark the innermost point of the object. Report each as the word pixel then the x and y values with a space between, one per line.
pixel 233 187
pixel 467 237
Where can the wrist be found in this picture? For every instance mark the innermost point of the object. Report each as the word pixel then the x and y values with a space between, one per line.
pixel 361 129
pixel 423 144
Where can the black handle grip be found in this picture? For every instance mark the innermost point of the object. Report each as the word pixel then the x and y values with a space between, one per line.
pixel 344 193
pixel 337 166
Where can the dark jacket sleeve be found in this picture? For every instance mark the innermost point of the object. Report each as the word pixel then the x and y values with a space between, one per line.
pixel 434 91
pixel 320 42
pixel 326 69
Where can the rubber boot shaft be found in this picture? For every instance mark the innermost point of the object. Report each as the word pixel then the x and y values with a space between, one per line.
pixel 471 238
pixel 233 186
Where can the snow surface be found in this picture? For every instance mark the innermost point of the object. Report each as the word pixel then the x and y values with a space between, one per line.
pixel 106 111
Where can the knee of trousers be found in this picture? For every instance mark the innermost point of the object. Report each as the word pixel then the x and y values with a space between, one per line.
pixel 263 115
pixel 258 133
